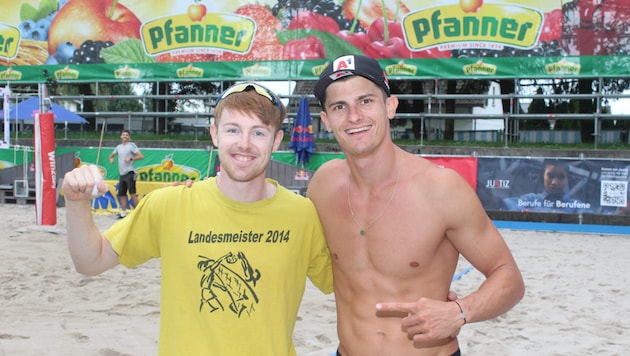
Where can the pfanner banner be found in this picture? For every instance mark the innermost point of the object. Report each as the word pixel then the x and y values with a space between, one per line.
pixel 158 165
pixel 166 40
pixel 554 185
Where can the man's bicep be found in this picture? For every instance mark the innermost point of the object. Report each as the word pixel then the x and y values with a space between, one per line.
pixel 474 235
pixel 485 248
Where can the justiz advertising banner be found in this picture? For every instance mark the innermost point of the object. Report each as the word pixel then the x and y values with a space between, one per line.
pixel 144 40
pixel 554 185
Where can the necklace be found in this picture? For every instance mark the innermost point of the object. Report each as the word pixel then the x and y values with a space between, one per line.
pixel 391 198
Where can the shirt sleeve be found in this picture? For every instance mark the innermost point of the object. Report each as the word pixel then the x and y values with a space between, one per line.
pixel 320 267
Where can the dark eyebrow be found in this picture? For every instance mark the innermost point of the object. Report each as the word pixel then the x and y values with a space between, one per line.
pixel 362 97
pixel 334 103
pixel 367 95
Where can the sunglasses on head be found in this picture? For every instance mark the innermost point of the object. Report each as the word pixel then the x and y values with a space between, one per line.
pixel 239 88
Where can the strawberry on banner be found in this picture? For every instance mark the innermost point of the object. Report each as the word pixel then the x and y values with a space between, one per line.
pixel 303 138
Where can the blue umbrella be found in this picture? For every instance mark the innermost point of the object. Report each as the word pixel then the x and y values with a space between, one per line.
pixel 26 110
pixel 303 138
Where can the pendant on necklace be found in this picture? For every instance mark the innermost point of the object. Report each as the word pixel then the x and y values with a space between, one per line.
pixel 362 232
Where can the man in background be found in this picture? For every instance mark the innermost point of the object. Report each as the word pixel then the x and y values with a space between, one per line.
pixel 127 153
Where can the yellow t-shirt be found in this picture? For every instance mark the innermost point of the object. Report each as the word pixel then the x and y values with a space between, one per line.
pixel 233 274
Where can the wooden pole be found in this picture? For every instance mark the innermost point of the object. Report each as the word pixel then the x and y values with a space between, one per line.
pixel 100 142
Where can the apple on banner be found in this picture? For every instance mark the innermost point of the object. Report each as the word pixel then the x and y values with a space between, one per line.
pixel 97 20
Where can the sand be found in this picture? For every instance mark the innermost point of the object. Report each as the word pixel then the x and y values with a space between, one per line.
pixel 577 299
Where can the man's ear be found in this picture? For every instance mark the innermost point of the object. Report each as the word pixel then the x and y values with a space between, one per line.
pixel 213 135
pixel 324 117
pixel 392 106
pixel 278 139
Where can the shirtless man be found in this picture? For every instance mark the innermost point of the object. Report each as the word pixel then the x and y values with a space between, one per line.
pixel 396 225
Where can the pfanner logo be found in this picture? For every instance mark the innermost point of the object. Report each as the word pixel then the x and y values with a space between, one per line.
pixel 9 41
pixel 563 67
pixel 66 73
pixel 257 70
pixel 503 24
pixel 480 68
pixel 401 68
pixel 189 71
pixel 217 31
pixel 10 74
pixel 126 73
pixel 498 184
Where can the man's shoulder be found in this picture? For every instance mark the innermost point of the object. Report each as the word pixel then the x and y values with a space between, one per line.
pixel 426 169
pixel 334 162
pixel 331 166
pixel 328 175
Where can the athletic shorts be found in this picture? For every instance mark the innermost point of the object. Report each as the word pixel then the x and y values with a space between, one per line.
pixel 127 182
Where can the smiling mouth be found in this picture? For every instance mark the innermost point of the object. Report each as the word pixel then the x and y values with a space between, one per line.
pixel 359 129
pixel 242 158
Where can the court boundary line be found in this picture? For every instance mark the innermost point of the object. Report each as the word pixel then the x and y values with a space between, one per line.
pixel 562 227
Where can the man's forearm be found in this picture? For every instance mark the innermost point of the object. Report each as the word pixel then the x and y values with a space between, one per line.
pixel 85 241
pixel 501 291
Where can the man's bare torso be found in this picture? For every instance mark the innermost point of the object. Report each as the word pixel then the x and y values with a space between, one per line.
pixel 403 250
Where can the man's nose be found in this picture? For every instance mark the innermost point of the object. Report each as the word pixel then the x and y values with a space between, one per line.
pixel 354 114
pixel 245 140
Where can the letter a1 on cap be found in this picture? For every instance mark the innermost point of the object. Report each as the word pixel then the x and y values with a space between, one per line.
pixel 345 62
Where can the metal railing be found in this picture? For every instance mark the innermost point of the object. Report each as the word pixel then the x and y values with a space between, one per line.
pixel 433 107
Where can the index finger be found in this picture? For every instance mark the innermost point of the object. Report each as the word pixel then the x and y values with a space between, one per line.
pixel 396 307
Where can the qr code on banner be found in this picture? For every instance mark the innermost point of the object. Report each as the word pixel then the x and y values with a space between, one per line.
pixel 614 193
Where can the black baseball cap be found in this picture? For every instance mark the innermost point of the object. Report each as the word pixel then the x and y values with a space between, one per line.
pixel 350 65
